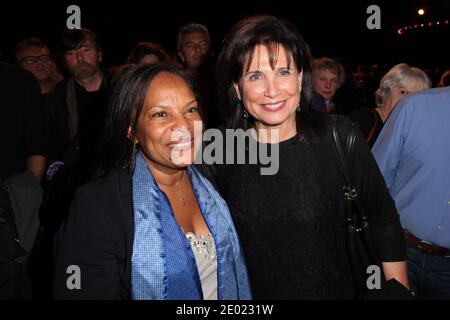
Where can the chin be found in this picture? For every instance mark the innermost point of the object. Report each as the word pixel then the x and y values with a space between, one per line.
pixel 182 160
pixel 274 120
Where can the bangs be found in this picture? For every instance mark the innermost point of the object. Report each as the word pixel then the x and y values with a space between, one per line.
pixel 273 48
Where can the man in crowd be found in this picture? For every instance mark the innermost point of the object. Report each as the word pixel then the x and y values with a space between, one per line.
pixel 34 56
pixel 413 152
pixel 22 165
pixel 194 50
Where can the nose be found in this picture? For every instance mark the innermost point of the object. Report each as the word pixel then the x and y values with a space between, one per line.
pixel 327 84
pixel 180 123
pixel 79 54
pixel 272 89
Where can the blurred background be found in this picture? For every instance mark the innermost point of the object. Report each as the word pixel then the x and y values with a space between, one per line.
pixel 332 28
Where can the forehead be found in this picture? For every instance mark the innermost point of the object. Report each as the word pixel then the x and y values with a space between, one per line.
pixel 149 58
pixel 87 41
pixel 32 51
pixel 267 56
pixel 325 72
pixel 194 37
pixel 167 86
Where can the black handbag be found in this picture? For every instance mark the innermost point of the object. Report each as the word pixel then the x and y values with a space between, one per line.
pixel 360 249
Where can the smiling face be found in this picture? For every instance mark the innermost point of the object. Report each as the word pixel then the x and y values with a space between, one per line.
pixel 271 95
pixel 165 129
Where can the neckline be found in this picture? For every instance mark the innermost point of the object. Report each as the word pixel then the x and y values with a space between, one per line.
pixel 291 140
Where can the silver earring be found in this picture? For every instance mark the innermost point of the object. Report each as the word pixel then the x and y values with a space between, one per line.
pixel 245 114
pixel 299 108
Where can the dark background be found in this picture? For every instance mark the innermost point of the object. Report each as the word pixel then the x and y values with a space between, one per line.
pixel 332 28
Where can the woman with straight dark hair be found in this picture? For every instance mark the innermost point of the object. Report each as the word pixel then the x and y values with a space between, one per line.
pixel 292 223
pixel 151 227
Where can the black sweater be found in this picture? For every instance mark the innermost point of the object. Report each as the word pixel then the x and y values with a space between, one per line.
pixel 291 224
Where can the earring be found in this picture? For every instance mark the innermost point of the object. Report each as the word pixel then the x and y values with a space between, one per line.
pixel 245 114
pixel 299 108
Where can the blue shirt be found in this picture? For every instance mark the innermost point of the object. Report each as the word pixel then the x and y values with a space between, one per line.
pixel 413 153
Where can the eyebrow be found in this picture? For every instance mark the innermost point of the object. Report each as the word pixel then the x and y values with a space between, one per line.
pixel 167 107
pixel 259 71
pixel 197 42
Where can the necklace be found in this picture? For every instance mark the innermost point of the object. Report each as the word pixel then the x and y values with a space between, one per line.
pixel 177 190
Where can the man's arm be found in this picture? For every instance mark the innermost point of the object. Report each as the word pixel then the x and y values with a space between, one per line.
pixel 36 164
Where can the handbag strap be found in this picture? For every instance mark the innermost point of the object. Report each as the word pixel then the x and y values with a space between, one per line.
pixel 350 192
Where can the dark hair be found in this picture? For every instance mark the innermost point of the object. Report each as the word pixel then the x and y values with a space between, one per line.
pixel 237 51
pixel 144 48
pixel 125 106
pixel 72 39
pixel 28 42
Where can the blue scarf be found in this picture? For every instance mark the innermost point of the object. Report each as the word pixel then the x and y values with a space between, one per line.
pixel 162 264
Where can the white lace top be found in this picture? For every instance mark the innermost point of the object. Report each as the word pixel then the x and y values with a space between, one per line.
pixel 204 249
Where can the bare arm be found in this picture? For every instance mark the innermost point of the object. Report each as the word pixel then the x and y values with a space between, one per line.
pixel 36 164
pixel 398 271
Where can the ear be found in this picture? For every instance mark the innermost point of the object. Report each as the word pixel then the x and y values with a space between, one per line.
pixel 300 80
pixel 131 136
pixel 100 56
pixel 238 91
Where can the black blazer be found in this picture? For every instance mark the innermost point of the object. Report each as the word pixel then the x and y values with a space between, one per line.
pixel 98 238
pixel 100 221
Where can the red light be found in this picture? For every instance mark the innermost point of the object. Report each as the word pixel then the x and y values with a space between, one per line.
pixel 415 26
pixel 430 24
pixel 400 32
pixel 406 28
pixel 446 21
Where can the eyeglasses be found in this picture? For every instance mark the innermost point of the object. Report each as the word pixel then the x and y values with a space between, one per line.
pixel 45 58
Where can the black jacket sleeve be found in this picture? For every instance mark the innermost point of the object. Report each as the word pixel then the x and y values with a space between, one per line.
pixel 384 221
pixel 86 242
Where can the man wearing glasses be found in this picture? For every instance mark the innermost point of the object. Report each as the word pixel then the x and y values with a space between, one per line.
pixel 34 56
pixel 194 51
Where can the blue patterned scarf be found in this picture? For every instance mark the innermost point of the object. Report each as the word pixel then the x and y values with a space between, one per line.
pixel 163 265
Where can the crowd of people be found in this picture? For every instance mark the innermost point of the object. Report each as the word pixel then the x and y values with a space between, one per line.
pixel 99 170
